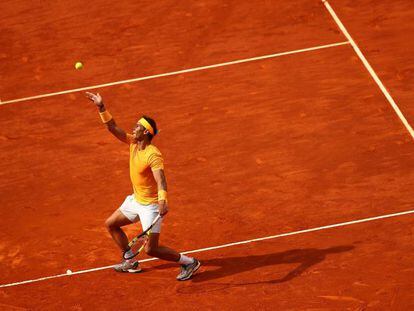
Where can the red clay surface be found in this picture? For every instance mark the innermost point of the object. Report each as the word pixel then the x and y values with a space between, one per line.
pixel 251 150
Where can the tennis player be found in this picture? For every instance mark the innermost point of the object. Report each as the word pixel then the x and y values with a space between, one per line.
pixel 150 194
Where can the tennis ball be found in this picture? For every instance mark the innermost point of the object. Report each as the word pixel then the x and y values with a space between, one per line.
pixel 68 271
pixel 78 65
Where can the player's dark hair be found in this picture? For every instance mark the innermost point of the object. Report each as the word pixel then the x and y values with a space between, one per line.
pixel 153 124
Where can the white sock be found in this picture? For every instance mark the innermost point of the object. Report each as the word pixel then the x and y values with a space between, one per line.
pixel 185 260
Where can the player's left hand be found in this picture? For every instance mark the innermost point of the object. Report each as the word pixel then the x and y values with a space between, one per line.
pixel 162 207
pixel 96 98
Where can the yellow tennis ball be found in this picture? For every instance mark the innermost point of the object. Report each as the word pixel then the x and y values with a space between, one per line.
pixel 78 65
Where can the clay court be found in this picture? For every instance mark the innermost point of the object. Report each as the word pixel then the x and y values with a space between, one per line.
pixel 274 133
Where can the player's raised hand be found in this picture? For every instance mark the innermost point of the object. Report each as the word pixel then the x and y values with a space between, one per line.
pixel 96 98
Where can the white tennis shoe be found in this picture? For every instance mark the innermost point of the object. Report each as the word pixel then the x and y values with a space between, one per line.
pixel 130 265
pixel 187 271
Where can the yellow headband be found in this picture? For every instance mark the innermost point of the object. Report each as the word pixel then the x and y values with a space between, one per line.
pixel 147 126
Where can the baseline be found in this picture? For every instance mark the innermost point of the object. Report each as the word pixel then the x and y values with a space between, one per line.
pixel 342 224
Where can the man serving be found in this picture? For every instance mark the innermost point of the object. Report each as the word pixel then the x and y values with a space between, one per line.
pixel 149 199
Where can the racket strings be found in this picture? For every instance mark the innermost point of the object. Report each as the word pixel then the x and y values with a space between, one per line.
pixel 136 247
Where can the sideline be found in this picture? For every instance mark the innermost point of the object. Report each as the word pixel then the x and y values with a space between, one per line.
pixel 369 68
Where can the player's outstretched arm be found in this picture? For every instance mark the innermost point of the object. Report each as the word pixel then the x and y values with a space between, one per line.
pixel 107 118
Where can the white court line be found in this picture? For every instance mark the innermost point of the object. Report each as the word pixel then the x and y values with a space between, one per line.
pixel 175 72
pixel 369 68
pixel 342 224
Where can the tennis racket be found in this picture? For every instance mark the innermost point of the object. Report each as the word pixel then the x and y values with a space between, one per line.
pixel 137 244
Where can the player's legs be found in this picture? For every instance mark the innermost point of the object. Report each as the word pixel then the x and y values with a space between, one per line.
pixel 188 265
pixel 125 215
pixel 114 224
pixel 147 214
pixel 152 248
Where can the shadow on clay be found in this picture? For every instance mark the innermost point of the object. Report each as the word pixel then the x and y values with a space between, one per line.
pixel 228 266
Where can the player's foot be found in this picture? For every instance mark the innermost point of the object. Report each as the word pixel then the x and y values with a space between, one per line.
pixel 188 270
pixel 130 265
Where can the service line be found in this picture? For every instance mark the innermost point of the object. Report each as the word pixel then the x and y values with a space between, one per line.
pixel 98 86
pixel 342 224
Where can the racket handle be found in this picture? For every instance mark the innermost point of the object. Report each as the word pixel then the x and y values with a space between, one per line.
pixel 157 218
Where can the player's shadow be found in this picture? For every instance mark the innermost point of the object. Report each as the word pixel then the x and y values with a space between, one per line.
pixel 227 266
pixel 304 258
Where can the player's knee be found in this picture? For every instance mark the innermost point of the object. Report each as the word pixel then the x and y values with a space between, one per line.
pixel 109 224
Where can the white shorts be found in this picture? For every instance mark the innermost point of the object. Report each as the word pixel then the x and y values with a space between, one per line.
pixel 146 214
